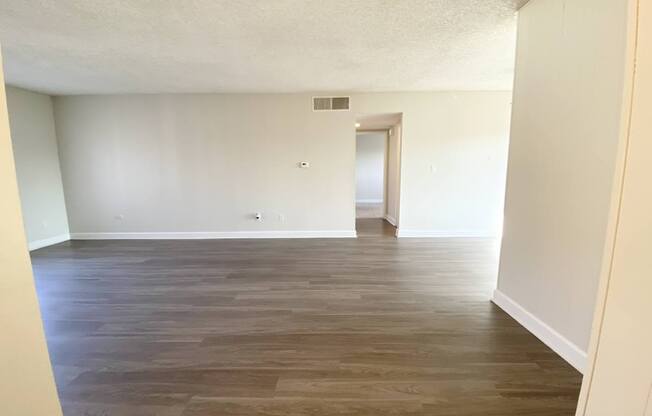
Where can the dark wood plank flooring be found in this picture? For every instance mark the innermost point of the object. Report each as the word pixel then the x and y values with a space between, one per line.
pixel 368 327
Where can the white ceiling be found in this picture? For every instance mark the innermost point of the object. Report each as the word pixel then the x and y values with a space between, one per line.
pixel 121 46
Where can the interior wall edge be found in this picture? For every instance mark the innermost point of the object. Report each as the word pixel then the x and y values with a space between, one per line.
pixel 27 385
pixel 565 348
pixel 390 219
pixel 46 242
pixel 556 215
pixel 38 166
pixel 616 202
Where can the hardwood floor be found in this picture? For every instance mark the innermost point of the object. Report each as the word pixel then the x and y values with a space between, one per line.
pixel 368 327
pixel 374 228
pixel 369 210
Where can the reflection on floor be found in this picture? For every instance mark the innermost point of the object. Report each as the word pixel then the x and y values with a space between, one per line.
pixel 368 210
pixel 373 326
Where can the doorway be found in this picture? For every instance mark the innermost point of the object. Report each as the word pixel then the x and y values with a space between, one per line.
pixel 378 145
pixel 371 172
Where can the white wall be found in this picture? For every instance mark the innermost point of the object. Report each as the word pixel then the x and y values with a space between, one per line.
pixel 370 167
pixel 205 163
pixel 193 163
pixel 453 159
pixel 27 384
pixel 37 167
pixel 565 129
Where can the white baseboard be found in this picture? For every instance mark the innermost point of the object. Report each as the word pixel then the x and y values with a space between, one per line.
pixel 215 235
pixel 368 201
pixel 390 219
pixel 407 233
pixel 553 339
pixel 35 245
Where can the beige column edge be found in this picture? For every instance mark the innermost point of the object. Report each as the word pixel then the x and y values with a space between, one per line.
pixel 615 204
pixel 27 385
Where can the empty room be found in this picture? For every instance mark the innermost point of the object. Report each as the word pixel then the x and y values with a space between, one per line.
pixel 302 208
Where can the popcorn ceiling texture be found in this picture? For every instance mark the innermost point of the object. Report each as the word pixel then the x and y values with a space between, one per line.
pixel 134 46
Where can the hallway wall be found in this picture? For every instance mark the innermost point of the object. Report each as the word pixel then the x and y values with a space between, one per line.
pixel 392 202
pixel 37 167
pixel 566 122
pixel 370 159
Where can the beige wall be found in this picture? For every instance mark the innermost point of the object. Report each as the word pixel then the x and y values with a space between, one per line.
pixel 565 129
pixel 453 159
pixel 37 166
pixel 27 385
pixel 207 163
pixel 621 381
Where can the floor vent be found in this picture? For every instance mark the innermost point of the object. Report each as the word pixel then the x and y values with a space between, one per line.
pixel 331 103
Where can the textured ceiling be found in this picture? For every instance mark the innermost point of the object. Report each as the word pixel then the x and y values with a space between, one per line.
pixel 121 46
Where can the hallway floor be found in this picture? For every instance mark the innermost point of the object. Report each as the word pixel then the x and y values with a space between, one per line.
pixel 369 210
pixel 369 327
pixel 374 227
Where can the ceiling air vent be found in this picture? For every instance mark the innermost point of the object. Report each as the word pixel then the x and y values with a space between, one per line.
pixel 331 103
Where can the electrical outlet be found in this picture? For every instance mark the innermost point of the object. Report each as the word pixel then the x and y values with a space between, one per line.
pixel 119 217
pixel 281 218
